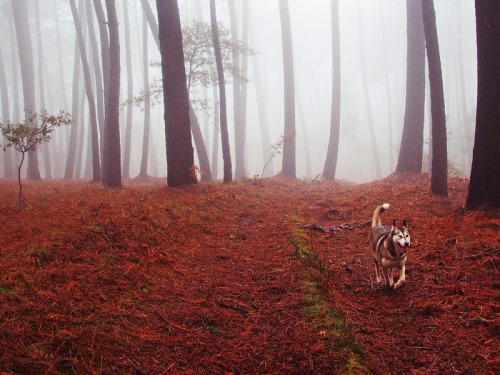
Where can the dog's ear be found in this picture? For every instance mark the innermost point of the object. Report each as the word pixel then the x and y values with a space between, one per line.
pixel 394 224
pixel 404 224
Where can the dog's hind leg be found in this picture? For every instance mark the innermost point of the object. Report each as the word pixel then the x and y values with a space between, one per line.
pixel 402 277
pixel 377 273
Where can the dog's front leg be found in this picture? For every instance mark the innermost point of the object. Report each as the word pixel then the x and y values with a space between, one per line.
pixel 388 276
pixel 402 277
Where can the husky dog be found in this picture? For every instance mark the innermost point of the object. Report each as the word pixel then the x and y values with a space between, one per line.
pixel 390 246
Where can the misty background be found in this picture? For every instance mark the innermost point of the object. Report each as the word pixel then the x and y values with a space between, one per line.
pixel 375 29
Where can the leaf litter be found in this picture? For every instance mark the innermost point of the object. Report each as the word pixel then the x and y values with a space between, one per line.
pixel 204 279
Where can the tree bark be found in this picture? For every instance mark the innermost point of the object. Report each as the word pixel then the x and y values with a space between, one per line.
pixel 143 172
pixel 25 50
pixel 485 172
pixel 201 150
pixel 215 139
pixel 366 93
pixel 412 139
pixel 180 153
pixel 112 154
pixel 288 162
pixel 130 94
pixel 239 130
pixel 96 163
pixel 330 167
pixel 41 88
pixel 8 166
pixel 226 152
pixel 439 175
pixel 151 20
pixel 99 87
pixel 70 161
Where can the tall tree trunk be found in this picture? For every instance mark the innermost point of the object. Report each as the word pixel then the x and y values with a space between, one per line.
pixel 439 176
pixel 264 123
pixel 70 161
pixel 201 151
pixel 81 133
pixel 388 88
pixel 366 93
pixel 104 42
pixel 143 172
pixel 244 82
pixel 27 75
pixel 288 163
pixel 226 152
pixel 151 20
pixel 333 144
pixel 412 139
pixel 8 166
pixel 41 87
pixel 462 92
pixel 215 141
pixel 99 88
pixel 112 155
pixel 180 156
pixel 62 86
pixel 485 172
pixel 96 163
pixel 130 94
pixel 239 130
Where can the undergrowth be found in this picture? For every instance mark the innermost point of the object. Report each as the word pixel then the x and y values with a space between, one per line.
pixel 330 323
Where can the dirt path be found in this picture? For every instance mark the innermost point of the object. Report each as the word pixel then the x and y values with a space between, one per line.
pixel 148 280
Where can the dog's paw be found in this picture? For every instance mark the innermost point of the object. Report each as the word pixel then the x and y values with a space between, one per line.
pixel 399 284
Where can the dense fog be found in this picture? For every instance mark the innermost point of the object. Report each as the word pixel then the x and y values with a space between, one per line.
pixel 372 45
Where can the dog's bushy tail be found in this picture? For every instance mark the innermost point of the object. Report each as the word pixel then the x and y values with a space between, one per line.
pixel 378 212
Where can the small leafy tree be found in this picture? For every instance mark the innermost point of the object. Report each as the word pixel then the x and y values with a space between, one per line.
pixel 201 70
pixel 27 136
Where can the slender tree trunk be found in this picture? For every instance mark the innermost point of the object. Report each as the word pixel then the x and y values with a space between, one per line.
pixel 27 74
pixel 239 130
pixel 288 163
pixel 96 163
pixel 412 139
pixel 305 135
pixel 201 151
pixel 81 133
pixel 244 82
pixel 389 94
pixel 263 121
pixel 462 92
pixel 112 170
pixel 8 167
pixel 62 86
pixel 41 87
pixel 147 101
pixel 485 172
pixel 70 161
pixel 333 145
pixel 130 94
pixel 180 157
pixel 366 93
pixel 439 176
pixel 97 73
pixel 215 142
pixel 151 20
pixel 16 109
pixel 226 152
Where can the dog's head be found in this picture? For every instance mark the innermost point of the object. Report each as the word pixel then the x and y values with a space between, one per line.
pixel 400 237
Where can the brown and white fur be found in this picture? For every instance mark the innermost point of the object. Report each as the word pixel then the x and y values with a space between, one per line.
pixel 389 246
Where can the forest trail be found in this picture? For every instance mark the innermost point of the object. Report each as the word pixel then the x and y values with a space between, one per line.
pixel 205 279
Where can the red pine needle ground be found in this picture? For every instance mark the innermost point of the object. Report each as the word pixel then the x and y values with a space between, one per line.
pixel 152 280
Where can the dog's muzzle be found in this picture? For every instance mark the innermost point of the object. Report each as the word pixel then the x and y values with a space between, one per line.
pixel 404 248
